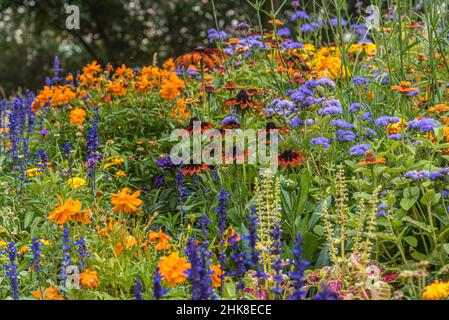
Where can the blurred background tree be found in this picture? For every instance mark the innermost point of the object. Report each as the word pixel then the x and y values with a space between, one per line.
pixel 32 32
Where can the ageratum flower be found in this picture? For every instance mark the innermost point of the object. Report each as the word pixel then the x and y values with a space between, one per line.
pixel 332 106
pixel 385 121
pixel 340 123
pixel 214 34
pixel 320 141
pixel 345 135
pixel 230 122
pixel 359 81
pixel 295 122
pixel 355 107
pixel 284 32
pixel 433 175
pixel 396 136
pixel 299 15
pixel 423 125
pixel 359 149
pixel 325 82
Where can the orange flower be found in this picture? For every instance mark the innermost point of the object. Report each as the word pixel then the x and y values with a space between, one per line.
pixel 169 65
pixel 193 169
pixel 160 239
pixel 42 98
pixel 200 57
pixel 89 279
pixel 171 87
pixel 276 22
pixel 405 87
pixel 117 88
pixel 216 276
pixel 127 244
pixel 291 159
pixel 77 116
pixel 370 159
pixel 173 269
pixel 50 293
pixel 124 201
pixel 439 108
pixel 69 211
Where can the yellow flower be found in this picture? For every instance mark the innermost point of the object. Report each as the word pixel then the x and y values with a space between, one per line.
pixel 45 242
pixel 439 108
pixel 32 172
pixel 370 49
pixel 396 128
pixel 24 250
pixel 120 174
pixel 436 290
pixel 173 269
pixel 116 161
pixel 124 201
pixel 3 244
pixel 2 230
pixel 76 182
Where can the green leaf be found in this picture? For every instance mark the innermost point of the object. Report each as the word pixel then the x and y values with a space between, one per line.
pixel 411 241
pixel 420 225
pixel 431 197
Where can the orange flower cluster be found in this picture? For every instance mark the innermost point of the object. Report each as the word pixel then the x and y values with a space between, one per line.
pixel 404 87
pixel 56 96
pixel 173 269
pixel 124 201
pixel 50 293
pixel 160 239
pixel 77 116
pixel 69 211
pixel 171 87
pixel 89 279
pixel 88 77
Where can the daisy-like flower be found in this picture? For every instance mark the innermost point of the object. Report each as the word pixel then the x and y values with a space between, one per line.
pixel 50 293
pixel 124 201
pixel 76 182
pixel 160 239
pixel 405 87
pixel 89 279
pixel 69 211
pixel 192 169
pixel 370 159
pixel 77 116
pixel 291 158
pixel 200 56
pixel 243 100
pixel 173 269
pixel 216 275
pixel 436 290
